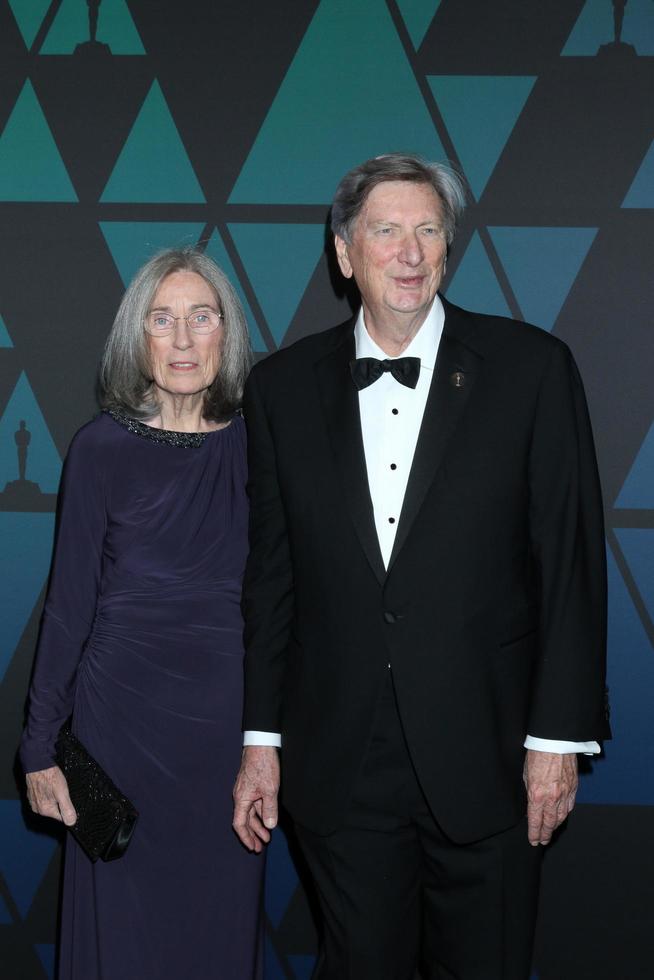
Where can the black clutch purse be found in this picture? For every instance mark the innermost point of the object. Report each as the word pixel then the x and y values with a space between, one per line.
pixel 105 818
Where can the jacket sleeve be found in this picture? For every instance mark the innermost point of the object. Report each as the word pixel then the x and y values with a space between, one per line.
pixel 567 539
pixel 70 602
pixel 268 584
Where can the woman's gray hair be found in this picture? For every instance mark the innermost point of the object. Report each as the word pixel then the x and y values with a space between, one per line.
pixel 125 373
pixel 355 186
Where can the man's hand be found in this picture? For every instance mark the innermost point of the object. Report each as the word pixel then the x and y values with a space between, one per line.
pixel 551 781
pixel 255 796
pixel 47 792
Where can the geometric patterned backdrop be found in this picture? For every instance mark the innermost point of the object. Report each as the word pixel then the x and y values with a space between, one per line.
pixel 229 125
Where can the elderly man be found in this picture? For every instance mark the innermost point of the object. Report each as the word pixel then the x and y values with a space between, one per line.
pixel 425 599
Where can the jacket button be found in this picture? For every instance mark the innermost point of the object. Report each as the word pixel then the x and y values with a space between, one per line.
pixel 390 617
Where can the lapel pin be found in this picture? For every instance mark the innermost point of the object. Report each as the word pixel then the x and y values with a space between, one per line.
pixel 458 379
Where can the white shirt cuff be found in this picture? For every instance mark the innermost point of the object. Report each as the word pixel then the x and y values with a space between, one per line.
pixel 554 745
pixel 262 738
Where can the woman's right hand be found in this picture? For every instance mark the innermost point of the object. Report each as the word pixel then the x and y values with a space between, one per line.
pixel 47 793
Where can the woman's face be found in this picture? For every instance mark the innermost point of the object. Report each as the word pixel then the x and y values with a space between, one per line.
pixel 184 362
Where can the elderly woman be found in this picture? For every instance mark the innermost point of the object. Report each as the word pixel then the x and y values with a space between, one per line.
pixel 141 639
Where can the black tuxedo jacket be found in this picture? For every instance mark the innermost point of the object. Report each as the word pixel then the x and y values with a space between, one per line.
pixel 492 610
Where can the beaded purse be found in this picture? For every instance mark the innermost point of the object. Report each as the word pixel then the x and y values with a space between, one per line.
pixel 105 818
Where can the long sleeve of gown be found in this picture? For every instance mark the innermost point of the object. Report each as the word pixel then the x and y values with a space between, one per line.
pixel 71 599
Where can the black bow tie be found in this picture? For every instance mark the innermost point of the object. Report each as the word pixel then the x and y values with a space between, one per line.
pixel 367 370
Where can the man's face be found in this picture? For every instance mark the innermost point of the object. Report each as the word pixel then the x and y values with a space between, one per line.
pixel 398 250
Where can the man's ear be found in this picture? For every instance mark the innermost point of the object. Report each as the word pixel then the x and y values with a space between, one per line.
pixel 342 256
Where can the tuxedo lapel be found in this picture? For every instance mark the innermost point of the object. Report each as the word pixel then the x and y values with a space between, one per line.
pixel 340 404
pixel 457 366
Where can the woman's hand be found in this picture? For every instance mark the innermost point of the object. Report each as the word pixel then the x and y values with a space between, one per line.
pixel 47 792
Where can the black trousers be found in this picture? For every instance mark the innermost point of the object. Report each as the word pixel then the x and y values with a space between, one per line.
pixel 396 894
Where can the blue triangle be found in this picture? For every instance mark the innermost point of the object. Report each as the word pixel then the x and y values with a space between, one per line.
pixel 641 192
pixel 594 28
pixel 638 489
pixel 132 243
pixel 281 878
pixel 29 17
pixel 43 461
pixel 153 166
pixel 280 260
pixel 638 548
pixel 418 15
pixel 24 565
pixel 273 968
pixel 619 778
pixel 303 966
pixel 24 855
pixel 474 285
pixel 5 339
pixel 217 251
pixel 5 915
pixel 31 168
pixel 71 27
pixel 348 95
pixel 46 953
pixel 480 112
pixel 525 252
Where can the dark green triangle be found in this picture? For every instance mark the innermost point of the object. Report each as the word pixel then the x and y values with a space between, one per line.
pixel 480 112
pixel 280 260
pixel 31 168
pixel 132 243
pixel 418 15
pixel 153 165
pixel 216 250
pixel 29 15
pixel 71 27
pixel 349 94
pixel 5 339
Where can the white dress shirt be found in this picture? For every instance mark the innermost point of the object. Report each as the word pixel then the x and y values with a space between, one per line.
pixel 391 416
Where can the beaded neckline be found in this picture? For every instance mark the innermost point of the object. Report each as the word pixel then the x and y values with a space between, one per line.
pixel 181 440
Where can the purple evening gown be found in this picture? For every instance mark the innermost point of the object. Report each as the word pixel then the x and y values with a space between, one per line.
pixel 142 641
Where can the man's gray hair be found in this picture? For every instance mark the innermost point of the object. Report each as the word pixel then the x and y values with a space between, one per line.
pixel 125 373
pixel 355 186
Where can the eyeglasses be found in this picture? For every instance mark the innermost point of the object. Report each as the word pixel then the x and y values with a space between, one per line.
pixel 200 321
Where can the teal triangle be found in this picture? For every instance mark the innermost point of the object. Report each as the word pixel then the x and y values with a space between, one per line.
pixel 594 28
pixel 24 564
pixel 618 778
pixel 217 251
pixel 280 260
pixel 43 462
pixel 31 168
pixel 418 15
pixel 525 252
pixel 474 285
pixel 5 339
pixel 641 192
pixel 29 15
pixel 638 548
pixel 71 27
pixel 153 165
pixel 349 94
pixel 24 855
pixel 638 489
pixel 132 243
pixel 480 112
pixel 46 954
